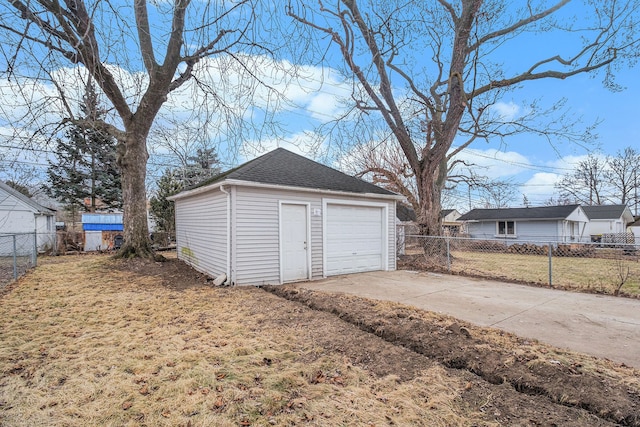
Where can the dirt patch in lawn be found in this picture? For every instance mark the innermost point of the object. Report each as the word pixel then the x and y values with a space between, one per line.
pixel 494 356
pixel 94 341
pixel 171 272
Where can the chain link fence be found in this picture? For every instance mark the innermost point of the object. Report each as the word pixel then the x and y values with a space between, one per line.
pixel 18 254
pixel 609 268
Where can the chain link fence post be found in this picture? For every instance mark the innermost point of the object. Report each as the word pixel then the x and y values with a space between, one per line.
pixel 34 255
pixel 448 256
pixel 15 259
pixel 550 265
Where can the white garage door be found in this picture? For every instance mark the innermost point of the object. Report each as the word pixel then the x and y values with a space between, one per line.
pixel 354 239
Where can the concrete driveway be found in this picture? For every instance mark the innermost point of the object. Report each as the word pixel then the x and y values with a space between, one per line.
pixel 602 326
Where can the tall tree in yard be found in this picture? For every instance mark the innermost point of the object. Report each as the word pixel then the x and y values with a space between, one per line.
pixel 598 180
pixel 85 165
pixel 157 47
pixel 433 71
pixel 587 183
pixel 622 174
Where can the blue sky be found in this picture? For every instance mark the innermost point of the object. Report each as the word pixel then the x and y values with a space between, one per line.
pixel 527 161
pixel 530 162
pixel 534 164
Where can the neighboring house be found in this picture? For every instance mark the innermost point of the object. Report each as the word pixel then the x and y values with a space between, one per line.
pixel 102 231
pixel 451 224
pixel 406 217
pixel 21 214
pixel 542 224
pixel 405 226
pixel 284 218
pixel 634 228
pixel 607 219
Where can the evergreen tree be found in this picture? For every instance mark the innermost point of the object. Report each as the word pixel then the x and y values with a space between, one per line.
pixel 201 166
pixel 85 165
pixel 161 209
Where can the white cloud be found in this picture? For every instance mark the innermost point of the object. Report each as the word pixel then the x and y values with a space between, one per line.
pixel 540 187
pixel 266 84
pixel 493 163
pixel 570 162
pixel 506 111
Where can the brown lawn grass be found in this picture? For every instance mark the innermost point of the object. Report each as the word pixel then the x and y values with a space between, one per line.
pixel 84 344
pixel 583 274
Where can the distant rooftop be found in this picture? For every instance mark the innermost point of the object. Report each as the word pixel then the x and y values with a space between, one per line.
pixel 542 212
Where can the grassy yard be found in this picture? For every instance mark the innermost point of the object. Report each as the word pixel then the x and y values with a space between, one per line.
pixel 83 343
pixel 88 341
pixel 583 274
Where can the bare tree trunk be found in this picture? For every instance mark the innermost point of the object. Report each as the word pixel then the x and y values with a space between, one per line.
pixel 429 219
pixel 132 159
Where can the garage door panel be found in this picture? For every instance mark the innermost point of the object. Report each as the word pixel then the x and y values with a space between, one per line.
pixel 354 239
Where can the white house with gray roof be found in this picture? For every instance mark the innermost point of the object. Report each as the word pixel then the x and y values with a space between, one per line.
pixel 608 219
pixel 20 214
pixel 563 224
pixel 284 218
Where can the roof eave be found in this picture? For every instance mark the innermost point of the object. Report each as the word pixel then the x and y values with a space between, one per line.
pixel 562 218
pixel 242 183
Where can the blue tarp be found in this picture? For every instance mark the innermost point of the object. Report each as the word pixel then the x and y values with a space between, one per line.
pixel 102 227
pixel 102 218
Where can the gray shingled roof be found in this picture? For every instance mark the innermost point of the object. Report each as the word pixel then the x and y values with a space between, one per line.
pixel 543 212
pixel 604 212
pixel 445 212
pixel 282 167
pixel 37 207
pixel 404 213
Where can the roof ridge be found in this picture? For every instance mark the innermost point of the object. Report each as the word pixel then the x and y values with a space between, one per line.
pixel 24 198
pixel 286 168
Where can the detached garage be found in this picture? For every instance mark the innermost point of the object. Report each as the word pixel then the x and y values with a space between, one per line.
pixel 284 218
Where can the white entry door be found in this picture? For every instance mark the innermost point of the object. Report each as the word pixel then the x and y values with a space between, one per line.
pixel 93 241
pixel 294 242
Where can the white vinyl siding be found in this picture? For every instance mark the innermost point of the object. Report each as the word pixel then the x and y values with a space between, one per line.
pixel 530 230
pixel 201 232
pixel 256 242
pixel 391 241
pixel 201 222
pixel 257 234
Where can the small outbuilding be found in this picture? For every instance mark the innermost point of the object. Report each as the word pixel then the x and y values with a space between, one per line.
pixel 608 219
pixel 634 228
pixel 102 231
pixel 284 218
